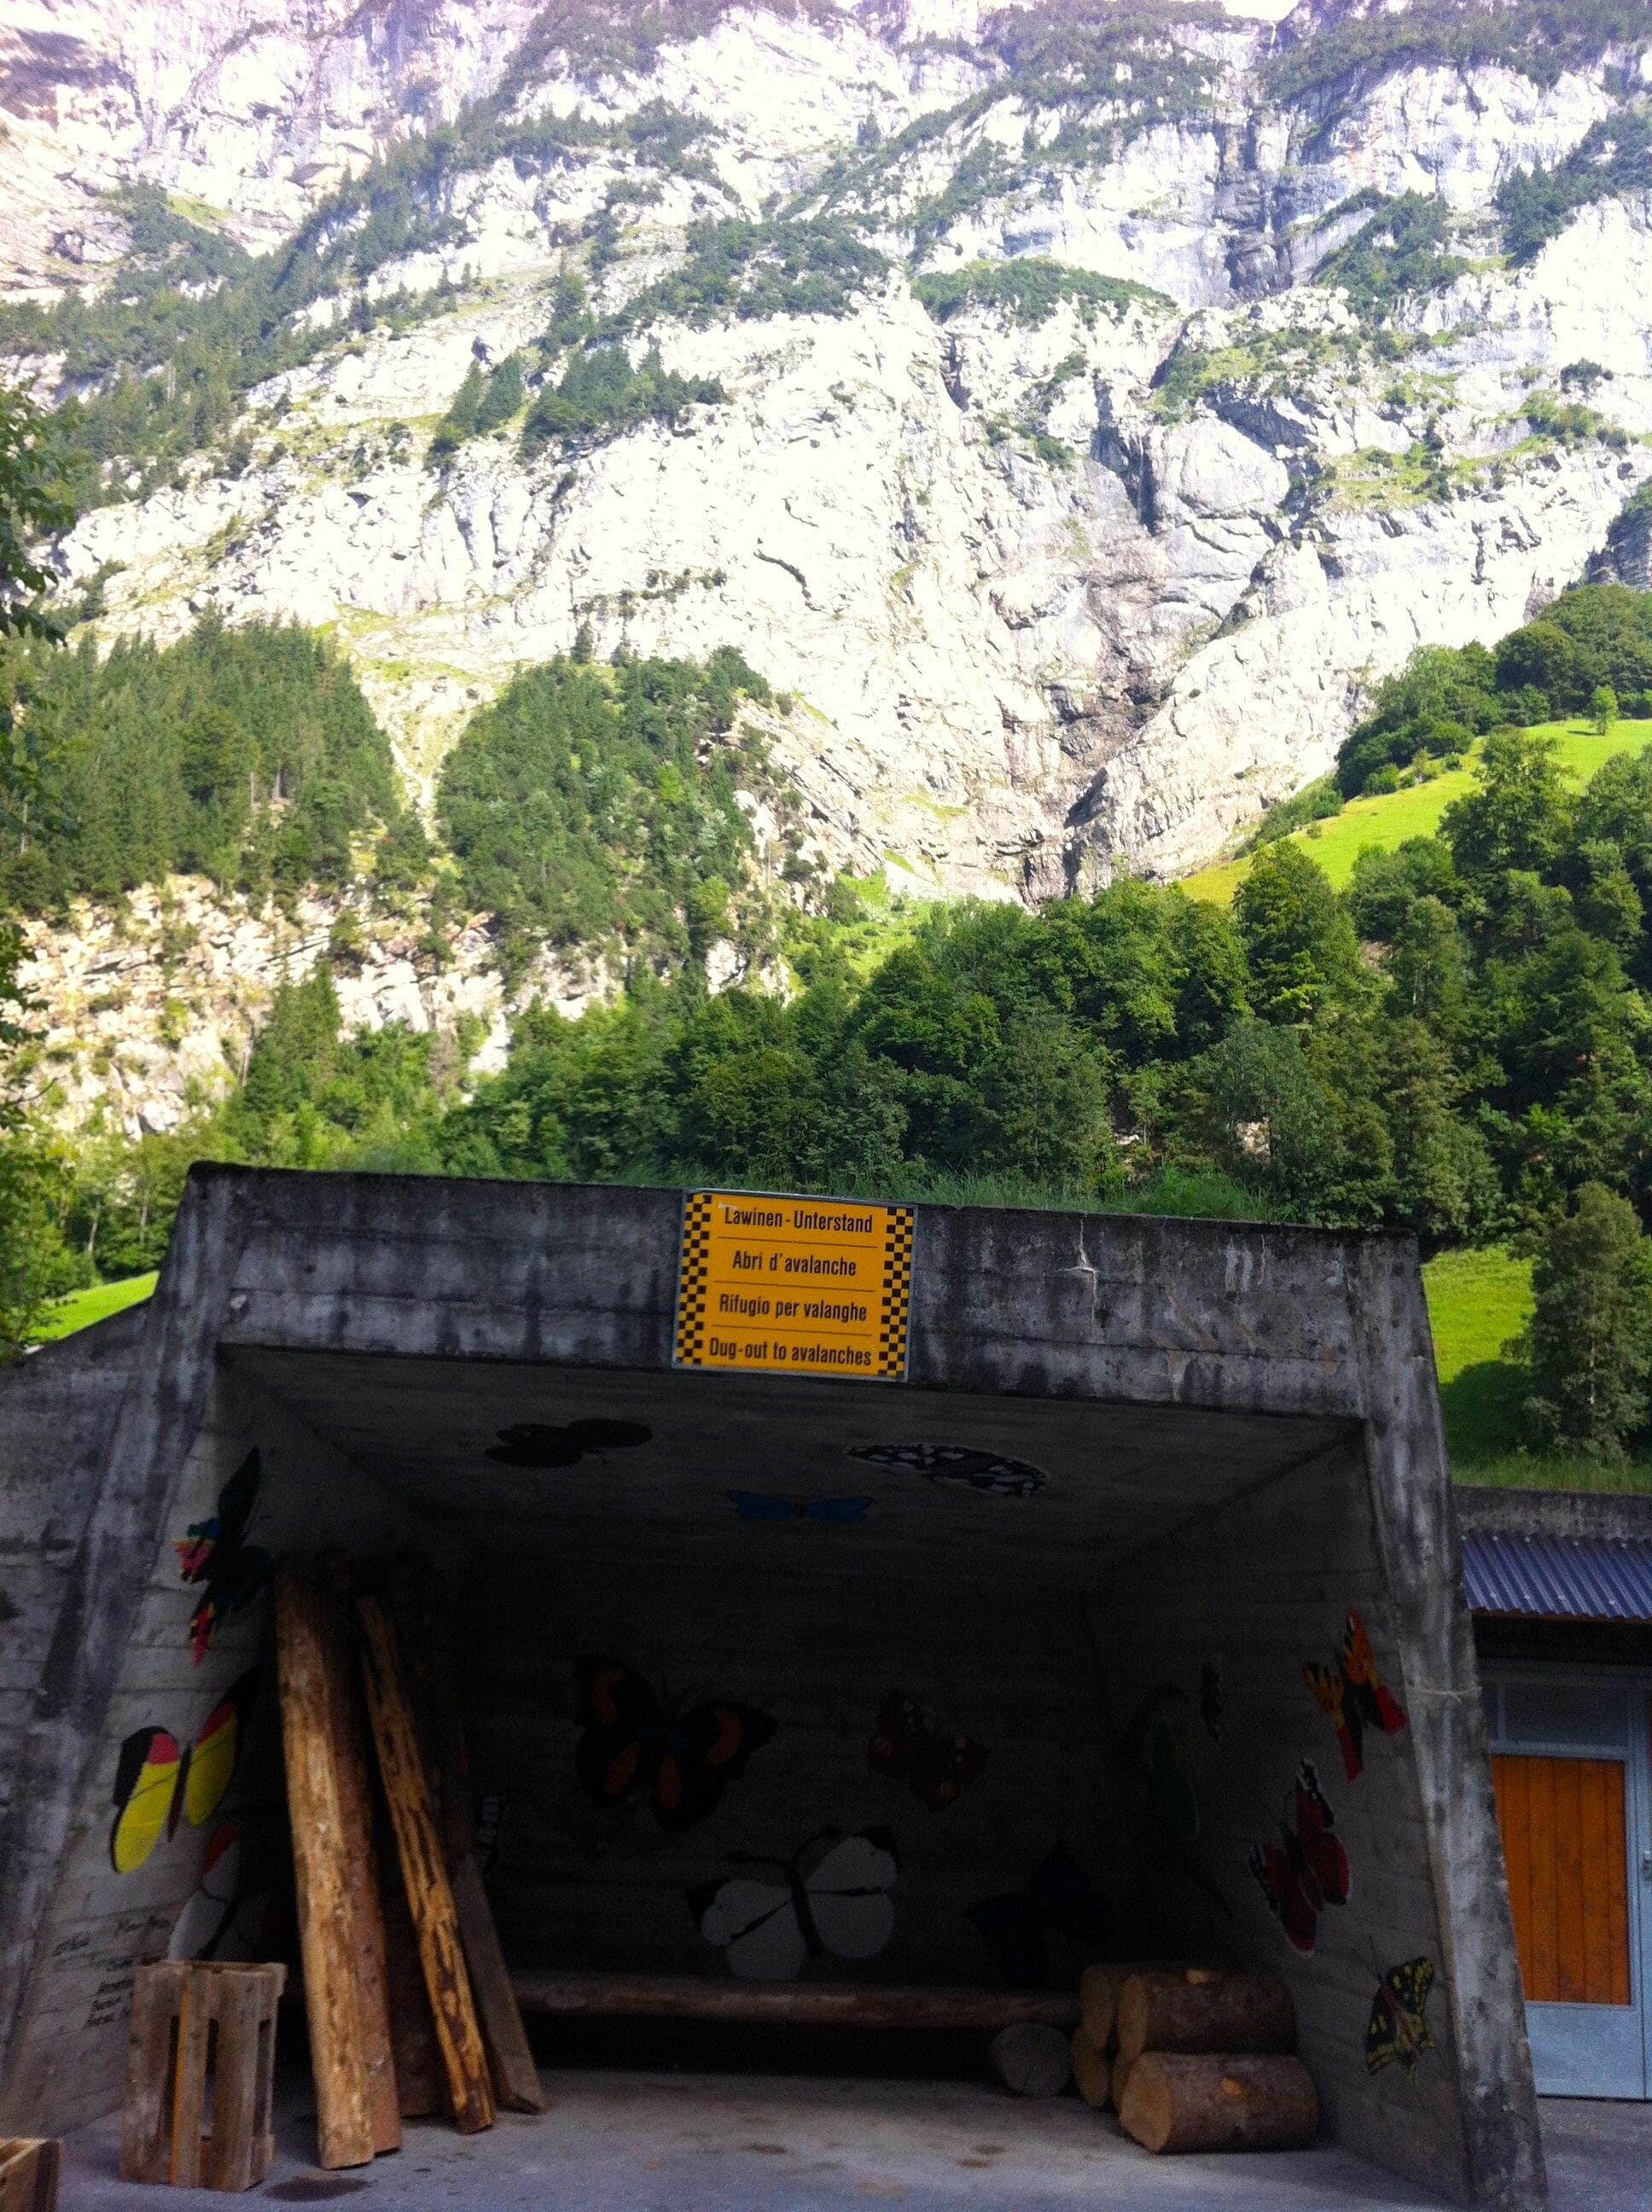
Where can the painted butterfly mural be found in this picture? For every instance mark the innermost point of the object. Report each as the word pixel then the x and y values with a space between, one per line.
pixel 830 1898
pixel 1398 2030
pixel 533 1443
pixel 1015 1929
pixel 960 1465
pixel 1308 1867
pixel 221 1918
pixel 825 1512
pixel 679 1764
pixel 907 1746
pixel 157 1782
pixel 1352 1696
pixel 1148 1745
pixel 216 1556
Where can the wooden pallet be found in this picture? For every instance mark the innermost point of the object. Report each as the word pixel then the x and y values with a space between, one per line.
pixel 29 2175
pixel 200 2067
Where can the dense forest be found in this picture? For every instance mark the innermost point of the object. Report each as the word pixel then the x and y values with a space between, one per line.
pixel 247 754
pixel 1457 1043
pixel 588 808
pixel 1589 651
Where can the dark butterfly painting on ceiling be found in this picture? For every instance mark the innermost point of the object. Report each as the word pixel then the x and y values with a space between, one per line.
pixel 215 1558
pixel 1398 2031
pixel 1306 1868
pixel 772 1506
pixel 959 1465
pixel 907 1745
pixel 1353 1696
pixel 1058 1896
pixel 635 1750
pixel 534 1443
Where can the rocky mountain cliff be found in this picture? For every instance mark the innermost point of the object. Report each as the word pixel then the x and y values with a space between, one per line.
pixel 1076 408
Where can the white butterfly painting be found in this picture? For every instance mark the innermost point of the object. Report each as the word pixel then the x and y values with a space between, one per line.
pixel 962 1466
pixel 830 1898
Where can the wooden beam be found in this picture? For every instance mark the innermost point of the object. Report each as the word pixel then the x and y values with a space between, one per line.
pixel 812 2004
pixel 321 1863
pixel 422 1638
pixel 424 1874
pixel 362 1871
pixel 29 2169
pixel 412 2031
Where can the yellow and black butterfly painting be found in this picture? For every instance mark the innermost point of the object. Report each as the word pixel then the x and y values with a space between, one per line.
pixel 157 1782
pixel 633 1747
pixel 1398 2031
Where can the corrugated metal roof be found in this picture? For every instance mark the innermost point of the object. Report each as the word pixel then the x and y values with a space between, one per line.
pixel 1559 1577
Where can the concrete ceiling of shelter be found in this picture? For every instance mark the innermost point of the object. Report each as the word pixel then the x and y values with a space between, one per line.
pixel 1106 1479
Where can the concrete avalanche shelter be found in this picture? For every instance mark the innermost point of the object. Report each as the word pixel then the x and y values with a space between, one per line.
pixel 1154 1538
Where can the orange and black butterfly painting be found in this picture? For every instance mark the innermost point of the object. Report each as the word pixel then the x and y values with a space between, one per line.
pixel 635 1749
pixel 216 1557
pixel 158 1781
pixel 1352 1696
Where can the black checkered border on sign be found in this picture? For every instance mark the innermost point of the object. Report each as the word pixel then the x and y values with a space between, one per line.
pixel 897 1292
pixel 693 1270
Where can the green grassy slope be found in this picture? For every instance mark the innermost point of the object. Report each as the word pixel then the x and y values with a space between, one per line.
pixel 1477 1300
pixel 1415 810
pixel 82 1308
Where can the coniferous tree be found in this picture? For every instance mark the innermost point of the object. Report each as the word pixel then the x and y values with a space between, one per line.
pixel 1590 1338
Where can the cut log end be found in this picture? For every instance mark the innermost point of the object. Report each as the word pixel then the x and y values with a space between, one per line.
pixel 1218 2101
pixel 1098 1994
pixel 1119 2079
pixel 1091 2069
pixel 1032 2059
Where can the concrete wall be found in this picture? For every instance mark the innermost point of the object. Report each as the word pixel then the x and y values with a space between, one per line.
pixel 1221 1622
pixel 59 1407
pixel 817 1653
pixel 70 2055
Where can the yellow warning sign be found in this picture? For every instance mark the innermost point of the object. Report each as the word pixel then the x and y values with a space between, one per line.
pixel 803 1285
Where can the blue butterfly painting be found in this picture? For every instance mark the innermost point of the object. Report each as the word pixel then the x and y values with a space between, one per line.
pixel 769 1506
pixel 1057 1895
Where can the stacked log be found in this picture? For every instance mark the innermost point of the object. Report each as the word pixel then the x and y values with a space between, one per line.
pixel 1204 2062
pixel 1192 2100
pixel 1203 2009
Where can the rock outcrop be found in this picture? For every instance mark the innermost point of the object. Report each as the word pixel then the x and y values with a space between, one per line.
pixel 1071 577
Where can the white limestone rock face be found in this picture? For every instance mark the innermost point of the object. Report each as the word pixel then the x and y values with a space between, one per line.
pixel 132 1033
pixel 252 110
pixel 1060 584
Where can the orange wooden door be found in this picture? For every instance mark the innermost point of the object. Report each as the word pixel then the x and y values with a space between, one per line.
pixel 1564 1845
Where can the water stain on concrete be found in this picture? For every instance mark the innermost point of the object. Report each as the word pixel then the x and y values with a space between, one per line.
pixel 315 2189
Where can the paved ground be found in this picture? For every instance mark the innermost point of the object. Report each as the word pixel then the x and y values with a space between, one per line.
pixel 671 2143
pixel 1599 2155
